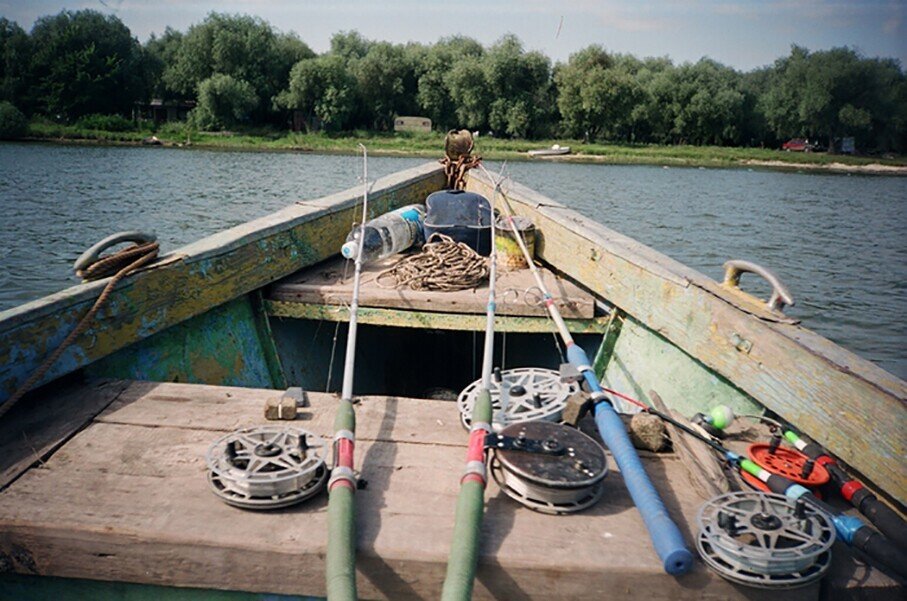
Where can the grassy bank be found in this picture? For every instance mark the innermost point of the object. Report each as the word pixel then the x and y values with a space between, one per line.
pixel 431 146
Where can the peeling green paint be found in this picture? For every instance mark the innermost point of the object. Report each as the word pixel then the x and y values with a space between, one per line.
pixel 429 320
pixel 222 346
pixel 211 272
pixel 642 360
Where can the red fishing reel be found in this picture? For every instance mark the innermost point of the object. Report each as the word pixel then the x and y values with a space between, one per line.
pixel 786 462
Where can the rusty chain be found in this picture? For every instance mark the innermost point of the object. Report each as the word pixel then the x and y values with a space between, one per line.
pixel 458 158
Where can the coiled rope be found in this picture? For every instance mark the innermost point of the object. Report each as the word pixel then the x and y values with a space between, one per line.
pixel 119 264
pixel 443 265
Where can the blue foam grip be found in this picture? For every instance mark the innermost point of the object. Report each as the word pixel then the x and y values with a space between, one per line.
pixel 847 526
pixel 665 535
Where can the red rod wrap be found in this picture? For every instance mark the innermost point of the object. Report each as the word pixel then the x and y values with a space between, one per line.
pixel 475 452
pixel 824 460
pixel 344 451
pixel 849 489
pixel 472 477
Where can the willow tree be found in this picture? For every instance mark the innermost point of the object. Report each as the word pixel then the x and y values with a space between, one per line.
pixel 434 93
pixel 519 84
pixel 84 62
pixel 836 93
pixel 15 50
pixel 323 90
pixel 245 48
pixel 596 95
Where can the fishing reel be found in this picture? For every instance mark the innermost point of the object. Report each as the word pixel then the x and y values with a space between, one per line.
pixel 787 462
pixel 520 395
pixel 267 467
pixel 548 467
pixel 765 540
pixel 772 457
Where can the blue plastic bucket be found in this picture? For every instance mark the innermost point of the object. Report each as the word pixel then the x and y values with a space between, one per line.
pixel 464 216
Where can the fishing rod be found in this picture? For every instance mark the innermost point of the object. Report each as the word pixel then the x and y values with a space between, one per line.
pixel 665 535
pixel 464 552
pixel 851 529
pixel 853 491
pixel 340 568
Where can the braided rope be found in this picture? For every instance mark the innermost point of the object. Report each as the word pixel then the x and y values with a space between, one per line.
pixel 133 259
pixel 111 264
pixel 443 265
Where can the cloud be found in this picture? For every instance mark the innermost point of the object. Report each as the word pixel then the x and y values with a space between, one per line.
pixel 623 22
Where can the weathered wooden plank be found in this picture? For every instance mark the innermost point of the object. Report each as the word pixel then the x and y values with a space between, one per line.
pixel 225 408
pixel 831 394
pixel 41 588
pixel 130 502
pixel 212 271
pixel 685 384
pixel 41 423
pixel 423 319
pixel 517 293
pixel 701 463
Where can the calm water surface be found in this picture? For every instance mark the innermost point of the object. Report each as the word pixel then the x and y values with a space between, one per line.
pixel 838 242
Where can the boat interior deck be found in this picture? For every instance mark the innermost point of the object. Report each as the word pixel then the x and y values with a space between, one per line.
pixel 106 480
pixel 319 291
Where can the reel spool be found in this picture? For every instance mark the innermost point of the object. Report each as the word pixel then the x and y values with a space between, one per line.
pixel 786 462
pixel 565 477
pixel 532 394
pixel 266 467
pixel 765 540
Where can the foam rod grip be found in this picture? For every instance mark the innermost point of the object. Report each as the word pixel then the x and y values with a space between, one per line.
pixel 886 520
pixel 881 551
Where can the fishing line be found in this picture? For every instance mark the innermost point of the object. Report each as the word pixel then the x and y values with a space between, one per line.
pixel 327 387
pixel 340 560
pixel 463 558
pixel 504 349
pixel 850 529
pixel 664 533
pixel 557 348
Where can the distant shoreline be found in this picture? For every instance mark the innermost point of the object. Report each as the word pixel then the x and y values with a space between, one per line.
pixel 874 168
pixel 431 146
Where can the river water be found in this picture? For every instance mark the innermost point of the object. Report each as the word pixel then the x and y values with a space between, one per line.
pixel 839 242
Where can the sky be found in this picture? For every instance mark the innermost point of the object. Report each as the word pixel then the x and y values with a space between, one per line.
pixel 744 34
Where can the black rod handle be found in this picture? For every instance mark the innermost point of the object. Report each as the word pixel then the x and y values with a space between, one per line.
pixel 880 550
pixel 885 519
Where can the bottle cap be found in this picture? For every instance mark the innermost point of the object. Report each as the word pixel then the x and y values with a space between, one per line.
pixel 349 250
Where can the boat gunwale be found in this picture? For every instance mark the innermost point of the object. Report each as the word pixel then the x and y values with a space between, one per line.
pixel 29 332
pixel 762 384
pixel 800 397
pixel 224 241
pixel 667 268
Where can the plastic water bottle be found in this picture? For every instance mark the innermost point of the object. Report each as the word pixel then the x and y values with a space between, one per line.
pixel 387 235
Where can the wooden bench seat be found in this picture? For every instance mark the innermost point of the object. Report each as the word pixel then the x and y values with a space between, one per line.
pixel 126 499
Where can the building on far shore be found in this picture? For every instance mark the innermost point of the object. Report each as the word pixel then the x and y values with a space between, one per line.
pixel 422 124
pixel 162 111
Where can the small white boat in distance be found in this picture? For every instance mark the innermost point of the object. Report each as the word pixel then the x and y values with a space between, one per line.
pixel 555 150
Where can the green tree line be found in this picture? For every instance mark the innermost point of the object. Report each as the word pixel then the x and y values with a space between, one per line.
pixel 240 71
